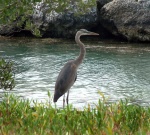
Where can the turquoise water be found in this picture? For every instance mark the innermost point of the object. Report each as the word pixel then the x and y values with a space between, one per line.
pixel 118 70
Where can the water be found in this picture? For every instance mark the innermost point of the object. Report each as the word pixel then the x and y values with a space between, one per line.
pixel 117 70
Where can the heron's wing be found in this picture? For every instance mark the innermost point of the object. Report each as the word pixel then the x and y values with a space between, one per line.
pixel 66 78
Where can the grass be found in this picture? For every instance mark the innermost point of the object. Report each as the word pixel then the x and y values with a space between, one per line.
pixel 17 117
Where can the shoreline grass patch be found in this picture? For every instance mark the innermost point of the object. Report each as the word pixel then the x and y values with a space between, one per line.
pixel 18 117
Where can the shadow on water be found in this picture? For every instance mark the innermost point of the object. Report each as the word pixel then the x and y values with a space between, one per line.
pixel 118 70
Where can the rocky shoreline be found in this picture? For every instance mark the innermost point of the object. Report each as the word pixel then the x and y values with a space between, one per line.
pixel 127 20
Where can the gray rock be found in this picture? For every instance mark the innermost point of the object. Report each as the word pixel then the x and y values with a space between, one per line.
pixel 6 30
pixel 129 19
pixel 62 24
pixel 54 24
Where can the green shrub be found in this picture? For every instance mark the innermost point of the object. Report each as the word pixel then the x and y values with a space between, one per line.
pixel 19 118
pixel 6 75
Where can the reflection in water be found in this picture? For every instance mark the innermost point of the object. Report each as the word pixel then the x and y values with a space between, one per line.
pixel 117 71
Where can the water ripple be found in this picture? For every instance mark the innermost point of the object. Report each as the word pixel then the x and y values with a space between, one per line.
pixel 117 72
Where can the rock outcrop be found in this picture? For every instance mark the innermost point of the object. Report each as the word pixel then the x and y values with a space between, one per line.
pixel 54 24
pixel 122 19
pixel 63 24
pixel 128 19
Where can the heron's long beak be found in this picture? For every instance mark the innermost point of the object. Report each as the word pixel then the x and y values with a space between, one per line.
pixel 93 33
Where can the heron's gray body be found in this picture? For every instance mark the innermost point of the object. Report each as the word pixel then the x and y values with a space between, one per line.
pixel 65 80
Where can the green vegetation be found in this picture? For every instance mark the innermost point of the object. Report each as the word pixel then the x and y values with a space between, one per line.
pixel 17 13
pixel 19 118
pixel 6 75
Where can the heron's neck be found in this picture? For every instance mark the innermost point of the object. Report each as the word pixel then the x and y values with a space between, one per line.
pixel 80 58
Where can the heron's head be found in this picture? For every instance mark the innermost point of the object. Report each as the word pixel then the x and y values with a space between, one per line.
pixel 86 32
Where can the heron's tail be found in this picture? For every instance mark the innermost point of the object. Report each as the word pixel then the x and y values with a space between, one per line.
pixel 56 96
pixel 55 99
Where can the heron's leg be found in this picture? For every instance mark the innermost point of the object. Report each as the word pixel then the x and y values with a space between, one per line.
pixel 64 101
pixel 67 97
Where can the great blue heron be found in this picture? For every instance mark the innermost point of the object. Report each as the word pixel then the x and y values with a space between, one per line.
pixel 68 73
